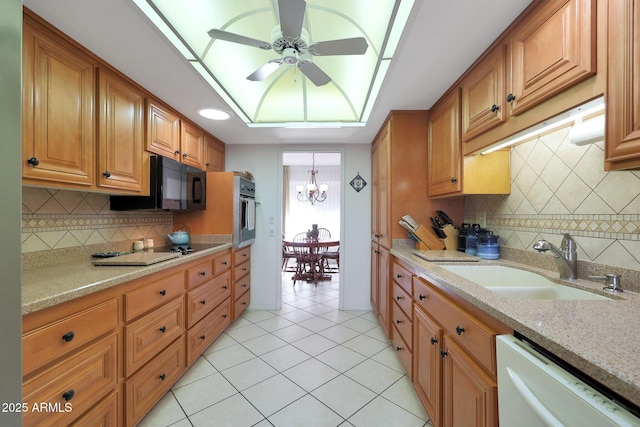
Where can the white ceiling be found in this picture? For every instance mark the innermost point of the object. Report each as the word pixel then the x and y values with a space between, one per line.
pixel 441 40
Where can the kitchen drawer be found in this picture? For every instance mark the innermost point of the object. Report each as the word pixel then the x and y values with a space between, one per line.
pixel 402 276
pixel 241 304
pixel 153 295
pixel 241 255
pixel 241 286
pixel 75 385
pixel 403 299
pixel 403 324
pixel 57 339
pixel 241 270
pixel 150 383
pixel 200 273
pixel 204 332
pixel 404 352
pixel 470 334
pixel 148 335
pixel 221 262
pixel 206 297
pixel 104 414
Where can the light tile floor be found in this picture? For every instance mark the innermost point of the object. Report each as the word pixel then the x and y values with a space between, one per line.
pixel 308 364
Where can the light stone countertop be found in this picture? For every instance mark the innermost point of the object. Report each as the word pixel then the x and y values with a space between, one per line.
pixel 600 338
pixel 47 286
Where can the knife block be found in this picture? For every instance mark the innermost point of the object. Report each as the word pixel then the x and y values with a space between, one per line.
pixel 428 239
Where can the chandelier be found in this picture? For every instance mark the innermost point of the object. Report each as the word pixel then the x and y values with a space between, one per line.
pixel 312 193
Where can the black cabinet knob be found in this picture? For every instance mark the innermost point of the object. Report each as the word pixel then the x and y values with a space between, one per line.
pixel 202 337
pixel 494 108
pixel 433 341
pixel 224 316
pixel 459 330
pixel 68 395
pixel 162 377
pixel 177 151
pixel 398 276
pixel 68 337
pixel 511 97
pixel 203 273
pixel 163 329
pixel 106 174
pixel 421 297
pixel 443 353
pixel 398 348
pixel 163 292
pixel 33 161
pixel 184 156
pixel 454 179
pixel 398 321
pixel 203 302
pixel 224 262
pixel 399 297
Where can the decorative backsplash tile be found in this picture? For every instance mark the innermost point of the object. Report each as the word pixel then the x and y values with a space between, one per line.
pixel 558 187
pixel 56 219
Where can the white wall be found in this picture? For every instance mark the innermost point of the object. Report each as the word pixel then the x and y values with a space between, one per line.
pixel 265 163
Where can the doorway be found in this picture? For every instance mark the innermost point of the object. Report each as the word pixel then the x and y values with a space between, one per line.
pixel 302 171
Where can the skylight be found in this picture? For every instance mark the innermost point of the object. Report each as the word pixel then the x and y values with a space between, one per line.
pixel 289 87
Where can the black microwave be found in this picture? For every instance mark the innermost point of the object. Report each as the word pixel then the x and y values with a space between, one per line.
pixel 172 186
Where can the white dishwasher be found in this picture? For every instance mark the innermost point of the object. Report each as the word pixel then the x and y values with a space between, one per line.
pixel 534 391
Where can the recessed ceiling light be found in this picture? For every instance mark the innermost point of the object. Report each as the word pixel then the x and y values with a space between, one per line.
pixel 214 113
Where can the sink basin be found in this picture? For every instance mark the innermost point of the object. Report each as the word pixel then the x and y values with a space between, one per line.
pixel 519 284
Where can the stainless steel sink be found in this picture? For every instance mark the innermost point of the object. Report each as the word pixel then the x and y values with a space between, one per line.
pixel 519 284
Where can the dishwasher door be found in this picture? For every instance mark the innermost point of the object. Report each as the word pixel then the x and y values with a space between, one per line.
pixel 534 391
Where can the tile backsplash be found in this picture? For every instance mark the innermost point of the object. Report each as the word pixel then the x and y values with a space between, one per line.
pixel 57 219
pixel 558 187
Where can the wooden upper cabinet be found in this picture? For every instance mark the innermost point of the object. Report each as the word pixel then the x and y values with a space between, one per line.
pixel 623 82
pixel 58 142
pixel 444 161
pixel 553 49
pixel 381 152
pixel 214 154
pixel 163 130
pixel 483 95
pixel 192 145
pixel 121 156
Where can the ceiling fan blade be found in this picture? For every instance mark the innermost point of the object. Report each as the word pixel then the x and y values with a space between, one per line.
pixel 291 17
pixel 314 73
pixel 264 71
pixel 236 38
pixel 353 46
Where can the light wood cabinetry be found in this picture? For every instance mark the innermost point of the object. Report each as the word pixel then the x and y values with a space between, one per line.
pixel 58 141
pixel 380 186
pixel 553 49
pixel 454 358
pixel 402 315
pixel 214 154
pixel 451 174
pixel 241 290
pixel 192 145
pixel 163 130
pixel 622 137
pixel 122 162
pixel 380 265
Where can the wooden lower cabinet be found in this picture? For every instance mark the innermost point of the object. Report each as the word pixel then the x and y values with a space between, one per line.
pixel 104 414
pixel 151 382
pixel 427 367
pixel 241 276
pixel 203 333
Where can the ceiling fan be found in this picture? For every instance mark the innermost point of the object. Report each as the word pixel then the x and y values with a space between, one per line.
pixel 291 42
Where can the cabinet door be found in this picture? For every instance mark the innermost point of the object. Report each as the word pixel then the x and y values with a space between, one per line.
pixel 483 95
pixel 120 134
pixel 58 102
pixel 375 285
pixel 381 185
pixel 553 49
pixel 444 150
pixel 470 396
pixel 384 264
pixel 214 154
pixel 427 364
pixel 192 145
pixel 623 97
pixel 163 130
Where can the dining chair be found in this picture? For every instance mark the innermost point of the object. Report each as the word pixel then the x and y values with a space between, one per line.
pixel 287 254
pixel 324 234
pixel 302 256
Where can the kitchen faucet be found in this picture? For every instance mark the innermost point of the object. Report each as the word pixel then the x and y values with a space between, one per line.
pixel 566 258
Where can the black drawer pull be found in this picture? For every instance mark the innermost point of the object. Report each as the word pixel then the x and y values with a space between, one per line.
pixel 399 297
pixel 244 303
pixel 202 337
pixel 398 276
pixel 163 329
pixel 33 161
pixel 443 353
pixel 224 316
pixel 244 285
pixel 162 377
pixel 244 269
pixel 68 395
pixel 398 348
pixel 224 287
pixel 398 321
pixel 433 341
pixel 224 263
pixel 163 292
pixel 106 174
pixel 495 108
pixel 68 337
pixel 421 297
pixel 203 273
pixel 203 302
pixel 459 330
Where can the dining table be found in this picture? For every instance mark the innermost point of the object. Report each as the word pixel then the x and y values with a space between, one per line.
pixel 309 260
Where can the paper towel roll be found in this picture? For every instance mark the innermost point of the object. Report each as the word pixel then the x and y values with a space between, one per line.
pixel 588 132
